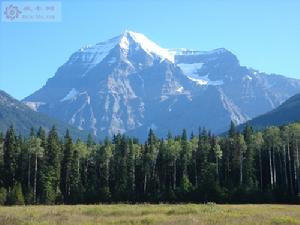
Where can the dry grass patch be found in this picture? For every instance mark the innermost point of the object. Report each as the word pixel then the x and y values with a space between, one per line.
pixel 140 214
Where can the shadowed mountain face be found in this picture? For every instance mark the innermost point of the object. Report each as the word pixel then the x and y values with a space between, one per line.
pixel 287 112
pixel 129 84
pixel 14 112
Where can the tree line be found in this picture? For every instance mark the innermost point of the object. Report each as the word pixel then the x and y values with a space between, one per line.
pixel 241 167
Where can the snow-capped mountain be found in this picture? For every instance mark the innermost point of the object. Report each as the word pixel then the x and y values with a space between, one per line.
pixel 130 84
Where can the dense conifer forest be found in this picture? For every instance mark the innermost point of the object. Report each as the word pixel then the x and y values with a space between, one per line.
pixel 241 167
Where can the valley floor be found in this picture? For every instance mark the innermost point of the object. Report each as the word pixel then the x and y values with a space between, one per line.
pixel 150 214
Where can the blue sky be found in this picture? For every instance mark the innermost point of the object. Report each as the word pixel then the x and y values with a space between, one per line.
pixel 264 34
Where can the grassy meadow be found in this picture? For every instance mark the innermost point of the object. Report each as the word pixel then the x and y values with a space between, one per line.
pixel 150 214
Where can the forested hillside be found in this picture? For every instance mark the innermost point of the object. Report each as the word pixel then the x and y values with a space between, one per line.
pixel 23 118
pixel 287 112
pixel 241 167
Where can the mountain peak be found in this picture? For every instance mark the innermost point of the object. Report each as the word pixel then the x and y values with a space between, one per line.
pixel 95 54
pixel 151 48
pixel 129 33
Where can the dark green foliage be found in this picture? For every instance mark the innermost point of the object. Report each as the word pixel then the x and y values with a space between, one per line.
pixel 50 177
pixel 246 167
pixel 15 196
pixel 66 167
pixel 10 149
pixel 3 196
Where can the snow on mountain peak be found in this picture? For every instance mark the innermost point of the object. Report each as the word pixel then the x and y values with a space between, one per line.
pixel 93 55
pixel 185 51
pixel 147 45
pixel 191 71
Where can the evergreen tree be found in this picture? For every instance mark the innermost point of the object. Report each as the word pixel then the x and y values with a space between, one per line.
pixel 41 134
pixel 74 181
pixel 104 155
pixel 66 164
pixel 90 173
pixel 131 169
pixel 149 164
pixel 50 177
pixel 10 158
pixel 249 163
pixel 185 157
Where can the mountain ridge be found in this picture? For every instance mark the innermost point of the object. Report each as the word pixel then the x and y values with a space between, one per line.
pixel 13 112
pixel 286 113
pixel 126 85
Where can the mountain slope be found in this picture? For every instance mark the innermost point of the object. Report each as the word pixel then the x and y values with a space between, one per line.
pixel 287 112
pixel 130 84
pixel 250 91
pixel 13 112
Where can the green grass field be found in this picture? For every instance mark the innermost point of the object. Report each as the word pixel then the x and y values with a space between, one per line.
pixel 151 214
